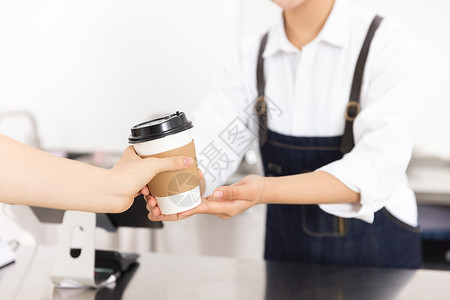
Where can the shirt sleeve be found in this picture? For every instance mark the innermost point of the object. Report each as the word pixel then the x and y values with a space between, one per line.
pixel 224 127
pixel 384 130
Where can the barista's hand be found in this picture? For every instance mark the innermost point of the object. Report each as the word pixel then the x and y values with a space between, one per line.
pixel 132 173
pixel 154 214
pixel 229 201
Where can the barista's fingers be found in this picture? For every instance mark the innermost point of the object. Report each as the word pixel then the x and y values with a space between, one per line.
pixel 207 206
pixel 173 217
pixel 145 191
pixel 224 209
pixel 151 201
pixel 151 217
pixel 233 192
pixel 157 213
pixel 174 163
pixel 160 217
pixel 207 209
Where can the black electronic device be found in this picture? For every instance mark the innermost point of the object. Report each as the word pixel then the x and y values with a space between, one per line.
pixel 135 216
pixel 116 261
pixel 108 262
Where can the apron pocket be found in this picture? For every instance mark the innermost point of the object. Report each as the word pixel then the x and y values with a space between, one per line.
pixel 398 222
pixel 317 223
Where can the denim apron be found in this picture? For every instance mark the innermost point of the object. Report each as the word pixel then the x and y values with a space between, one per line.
pixel 305 233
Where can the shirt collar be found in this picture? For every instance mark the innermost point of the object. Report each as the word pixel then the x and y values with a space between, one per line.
pixel 334 32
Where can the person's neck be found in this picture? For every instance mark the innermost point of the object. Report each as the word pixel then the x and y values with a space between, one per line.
pixel 304 22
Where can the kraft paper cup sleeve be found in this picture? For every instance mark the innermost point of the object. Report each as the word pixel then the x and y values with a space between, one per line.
pixel 175 182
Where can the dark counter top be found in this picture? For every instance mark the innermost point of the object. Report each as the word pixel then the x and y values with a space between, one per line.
pixel 161 276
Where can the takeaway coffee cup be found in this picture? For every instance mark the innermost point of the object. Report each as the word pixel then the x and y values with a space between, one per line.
pixel 175 191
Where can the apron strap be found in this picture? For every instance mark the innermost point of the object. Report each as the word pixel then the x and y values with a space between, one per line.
pixel 353 106
pixel 261 104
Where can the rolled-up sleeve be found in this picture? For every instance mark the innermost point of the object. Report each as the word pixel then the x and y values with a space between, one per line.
pixel 222 128
pixel 384 130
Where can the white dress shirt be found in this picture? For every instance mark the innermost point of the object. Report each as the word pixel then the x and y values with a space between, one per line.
pixel 308 91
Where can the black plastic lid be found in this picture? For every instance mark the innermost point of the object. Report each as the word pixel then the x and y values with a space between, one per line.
pixel 159 128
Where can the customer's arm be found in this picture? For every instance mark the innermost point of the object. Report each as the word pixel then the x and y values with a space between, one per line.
pixel 32 177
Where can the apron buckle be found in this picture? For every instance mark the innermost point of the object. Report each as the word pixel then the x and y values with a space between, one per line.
pixel 261 106
pixel 352 110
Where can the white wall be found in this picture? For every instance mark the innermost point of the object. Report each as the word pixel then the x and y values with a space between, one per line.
pixel 90 69
pixel 255 16
pixel 429 23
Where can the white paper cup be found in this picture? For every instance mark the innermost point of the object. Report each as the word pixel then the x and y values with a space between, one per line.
pixel 175 191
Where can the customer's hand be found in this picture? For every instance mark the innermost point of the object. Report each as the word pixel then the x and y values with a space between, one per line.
pixel 131 174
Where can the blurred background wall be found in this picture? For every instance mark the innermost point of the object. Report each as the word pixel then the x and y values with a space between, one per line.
pixel 89 70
